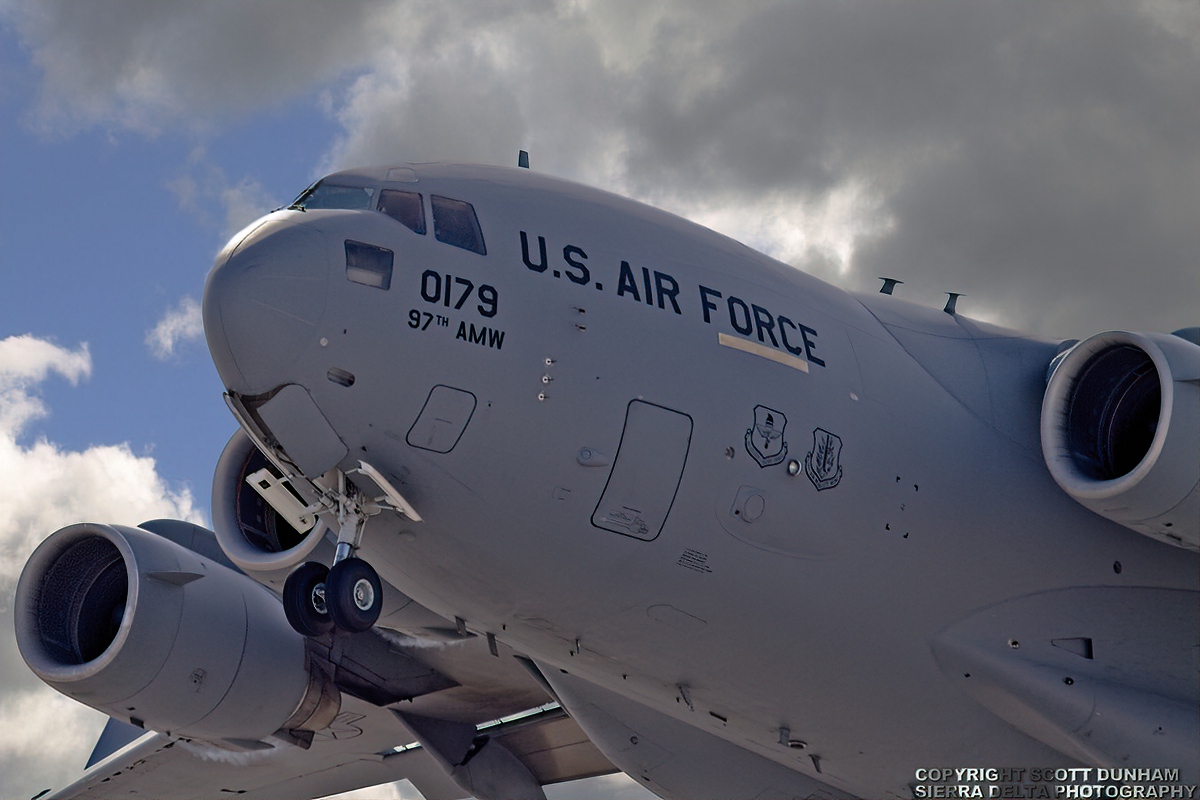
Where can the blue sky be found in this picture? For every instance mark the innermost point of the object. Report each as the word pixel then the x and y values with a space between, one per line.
pixel 98 247
pixel 1042 158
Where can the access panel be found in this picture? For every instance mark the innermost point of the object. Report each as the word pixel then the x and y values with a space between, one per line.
pixel 442 420
pixel 646 472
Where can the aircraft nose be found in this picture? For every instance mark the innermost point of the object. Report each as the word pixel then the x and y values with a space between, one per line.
pixel 263 302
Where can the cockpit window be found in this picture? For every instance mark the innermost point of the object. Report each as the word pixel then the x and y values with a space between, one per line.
pixel 368 264
pixel 331 195
pixel 454 222
pixel 405 208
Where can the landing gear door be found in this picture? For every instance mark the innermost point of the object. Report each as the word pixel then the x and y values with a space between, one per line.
pixel 646 472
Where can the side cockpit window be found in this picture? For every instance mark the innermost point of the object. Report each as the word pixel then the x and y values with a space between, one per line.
pixel 331 195
pixel 455 223
pixel 368 264
pixel 405 208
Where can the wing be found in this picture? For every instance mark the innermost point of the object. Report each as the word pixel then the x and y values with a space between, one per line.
pixel 364 747
pixel 367 745
pixel 487 697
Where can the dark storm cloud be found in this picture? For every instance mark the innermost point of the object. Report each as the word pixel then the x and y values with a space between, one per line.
pixel 146 65
pixel 1028 154
pixel 1043 158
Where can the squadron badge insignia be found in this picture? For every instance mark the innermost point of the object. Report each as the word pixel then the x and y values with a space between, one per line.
pixel 764 441
pixel 823 464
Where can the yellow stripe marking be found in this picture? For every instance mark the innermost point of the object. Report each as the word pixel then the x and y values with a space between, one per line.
pixel 756 349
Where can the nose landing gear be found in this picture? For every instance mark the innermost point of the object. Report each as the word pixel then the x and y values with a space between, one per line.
pixel 349 595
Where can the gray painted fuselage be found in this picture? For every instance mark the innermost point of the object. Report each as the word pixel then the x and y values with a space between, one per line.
pixel 763 599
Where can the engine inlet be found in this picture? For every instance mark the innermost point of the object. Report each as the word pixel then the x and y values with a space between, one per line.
pixel 1119 431
pixel 80 602
pixel 1112 412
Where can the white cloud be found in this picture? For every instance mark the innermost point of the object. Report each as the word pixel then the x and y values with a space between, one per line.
pixel 47 487
pixel 26 361
pixel 481 85
pixel 206 192
pixel 432 108
pixel 45 738
pixel 183 323
pixel 244 202
pixel 817 234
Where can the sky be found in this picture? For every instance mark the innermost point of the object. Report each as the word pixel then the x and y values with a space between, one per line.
pixel 1042 158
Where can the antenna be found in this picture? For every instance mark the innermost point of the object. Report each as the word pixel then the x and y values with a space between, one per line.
pixel 952 302
pixel 523 159
pixel 888 285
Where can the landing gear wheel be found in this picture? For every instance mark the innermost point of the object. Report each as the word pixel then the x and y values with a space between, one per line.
pixel 304 601
pixel 354 594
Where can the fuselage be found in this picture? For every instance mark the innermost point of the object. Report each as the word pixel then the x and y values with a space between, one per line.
pixel 673 466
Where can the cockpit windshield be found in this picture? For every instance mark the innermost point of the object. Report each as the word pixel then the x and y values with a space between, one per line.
pixel 454 221
pixel 331 195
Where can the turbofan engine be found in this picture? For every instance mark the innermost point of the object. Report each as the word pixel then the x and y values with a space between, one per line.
pixel 1121 431
pixel 136 626
pixel 258 516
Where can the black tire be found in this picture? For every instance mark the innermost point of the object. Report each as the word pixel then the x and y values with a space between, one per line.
pixel 354 594
pixel 302 599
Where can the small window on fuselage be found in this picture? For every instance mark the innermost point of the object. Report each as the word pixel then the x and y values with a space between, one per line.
pixel 368 264
pixel 454 222
pixel 405 208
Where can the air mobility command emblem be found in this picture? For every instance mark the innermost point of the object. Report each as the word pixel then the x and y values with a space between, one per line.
pixel 764 441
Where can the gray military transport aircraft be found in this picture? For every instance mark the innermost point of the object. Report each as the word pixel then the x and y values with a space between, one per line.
pixel 533 482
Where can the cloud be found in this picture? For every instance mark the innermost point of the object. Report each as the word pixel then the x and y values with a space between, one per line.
pixel 145 66
pixel 203 188
pixel 45 738
pixel 183 323
pixel 480 85
pixel 244 202
pixel 1042 159
pixel 26 361
pixel 47 487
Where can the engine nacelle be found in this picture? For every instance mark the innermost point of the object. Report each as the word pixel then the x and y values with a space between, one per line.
pixel 1121 432
pixel 145 630
pixel 250 531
